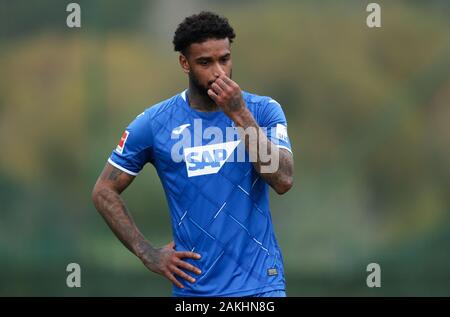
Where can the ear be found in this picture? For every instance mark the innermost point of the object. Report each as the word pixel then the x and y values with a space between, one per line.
pixel 184 64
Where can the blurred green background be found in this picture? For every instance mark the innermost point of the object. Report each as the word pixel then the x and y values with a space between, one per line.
pixel 369 120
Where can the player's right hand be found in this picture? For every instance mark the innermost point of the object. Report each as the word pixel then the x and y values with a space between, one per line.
pixel 168 262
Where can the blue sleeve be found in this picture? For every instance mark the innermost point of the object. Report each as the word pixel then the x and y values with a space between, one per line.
pixel 135 146
pixel 273 120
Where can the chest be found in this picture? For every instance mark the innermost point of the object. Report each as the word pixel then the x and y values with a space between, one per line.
pixel 195 147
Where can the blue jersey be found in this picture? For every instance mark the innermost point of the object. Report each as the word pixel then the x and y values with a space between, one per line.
pixel 219 204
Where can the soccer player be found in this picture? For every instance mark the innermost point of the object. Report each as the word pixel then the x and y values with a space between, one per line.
pixel 224 241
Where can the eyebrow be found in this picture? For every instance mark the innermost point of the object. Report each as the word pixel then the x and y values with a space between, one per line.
pixel 208 58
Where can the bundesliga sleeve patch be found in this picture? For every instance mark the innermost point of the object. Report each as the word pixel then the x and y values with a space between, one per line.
pixel 281 133
pixel 122 142
pixel 272 272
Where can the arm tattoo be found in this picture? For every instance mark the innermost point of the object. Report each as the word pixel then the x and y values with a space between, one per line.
pixel 113 210
pixel 111 206
pixel 283 175
pixel 284 170
pixel 235 104
pixel 114 175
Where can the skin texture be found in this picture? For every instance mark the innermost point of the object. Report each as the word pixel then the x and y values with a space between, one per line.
pixel 209 69
pixel 165 261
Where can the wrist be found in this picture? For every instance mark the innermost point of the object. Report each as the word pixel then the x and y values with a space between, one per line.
pixel 241 117
pixel 142 249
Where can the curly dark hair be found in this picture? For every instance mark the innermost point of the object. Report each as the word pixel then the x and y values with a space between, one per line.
pixel 200 27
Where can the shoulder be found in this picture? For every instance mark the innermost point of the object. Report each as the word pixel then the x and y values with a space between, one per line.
pixel 264 108
pixel 259 101
pixel 144 123
pixel 161 107
pixel 157 112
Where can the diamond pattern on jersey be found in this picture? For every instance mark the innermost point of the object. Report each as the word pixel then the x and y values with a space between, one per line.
pixel 227 216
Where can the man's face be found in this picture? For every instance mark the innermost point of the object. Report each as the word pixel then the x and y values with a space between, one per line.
pixel 205 62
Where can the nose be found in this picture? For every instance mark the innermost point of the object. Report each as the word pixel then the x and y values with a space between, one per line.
pixel 218 71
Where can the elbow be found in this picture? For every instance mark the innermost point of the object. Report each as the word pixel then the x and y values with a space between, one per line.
pixel 284 185
pixel 101 193
pixel 97 193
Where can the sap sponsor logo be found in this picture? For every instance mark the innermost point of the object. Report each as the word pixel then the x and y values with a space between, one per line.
pixel 208 159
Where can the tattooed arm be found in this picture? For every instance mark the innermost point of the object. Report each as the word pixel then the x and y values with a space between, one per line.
pixel 106 197
pixel 275 165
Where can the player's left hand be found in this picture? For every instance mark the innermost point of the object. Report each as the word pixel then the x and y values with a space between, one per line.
pixel 227 95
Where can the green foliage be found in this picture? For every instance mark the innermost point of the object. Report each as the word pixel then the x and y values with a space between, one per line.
pixel 368 119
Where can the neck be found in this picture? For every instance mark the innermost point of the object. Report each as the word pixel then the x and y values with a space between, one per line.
pixel 199 101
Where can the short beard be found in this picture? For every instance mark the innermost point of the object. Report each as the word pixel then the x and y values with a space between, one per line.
pixel 202 90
